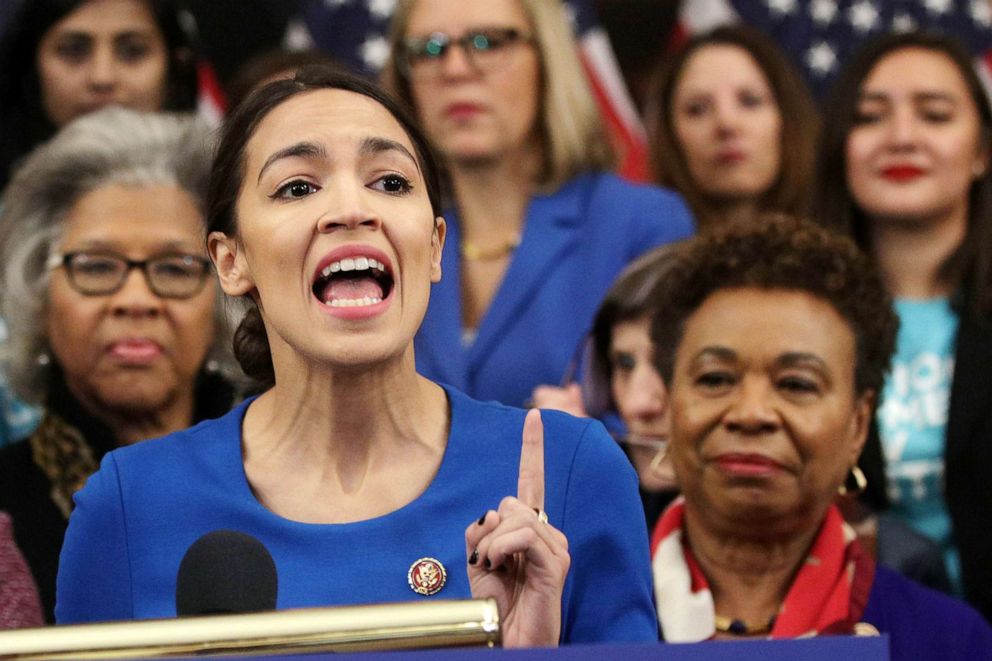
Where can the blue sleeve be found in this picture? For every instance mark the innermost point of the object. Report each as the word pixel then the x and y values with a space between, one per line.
pixel 608 596
pixel 94 580
pixel 662 218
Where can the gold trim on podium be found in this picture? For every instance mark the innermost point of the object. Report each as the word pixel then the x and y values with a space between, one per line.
pixel 403 626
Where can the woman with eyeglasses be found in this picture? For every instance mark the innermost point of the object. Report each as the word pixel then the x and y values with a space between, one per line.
pixel 115 323
pixel 538 229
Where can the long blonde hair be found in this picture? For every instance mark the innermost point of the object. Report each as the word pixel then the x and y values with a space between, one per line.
pixel 572 136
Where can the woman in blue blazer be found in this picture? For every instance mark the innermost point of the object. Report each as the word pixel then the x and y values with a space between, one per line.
pixel 539 229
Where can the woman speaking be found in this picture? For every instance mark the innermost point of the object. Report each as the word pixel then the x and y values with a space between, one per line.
pixel 350 467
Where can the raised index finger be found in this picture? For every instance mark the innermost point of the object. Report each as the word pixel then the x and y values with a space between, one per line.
pixel 530 483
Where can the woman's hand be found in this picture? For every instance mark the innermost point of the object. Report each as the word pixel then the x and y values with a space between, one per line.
pixel 567 398
pixel 519 559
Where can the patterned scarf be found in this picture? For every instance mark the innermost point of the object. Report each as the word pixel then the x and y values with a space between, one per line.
pixel 64 456
pixel 828 594
pixel 70 442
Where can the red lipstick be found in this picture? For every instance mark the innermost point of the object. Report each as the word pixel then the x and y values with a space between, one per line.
pixel 902 173
pixel 730 157
pixel 462 111
pixel 740 464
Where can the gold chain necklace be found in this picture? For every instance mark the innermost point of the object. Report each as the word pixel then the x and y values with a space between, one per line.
pixel 474 253
pixel 740 627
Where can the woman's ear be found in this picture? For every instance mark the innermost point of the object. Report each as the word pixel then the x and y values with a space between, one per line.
pixel 864 407
pixel 229 260
pixel 437 247
pixel 981 163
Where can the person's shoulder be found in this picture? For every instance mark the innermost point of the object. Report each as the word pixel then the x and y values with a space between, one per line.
pixel 659 214
pixel 919 618
pixel 15 454
pixel 561 430
pixel 610 184
pixel 186 444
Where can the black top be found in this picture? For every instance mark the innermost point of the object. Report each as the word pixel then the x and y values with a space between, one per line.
pixel 26 491
pixel 967 458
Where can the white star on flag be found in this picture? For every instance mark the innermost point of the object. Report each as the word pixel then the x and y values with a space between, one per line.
pixel 937 6
pixel 823 11
pixel 903 23
pixel 981 12
pixel 863 16
pixel 382 8
pixel 782 7
pixel 375 51
pixel 821 58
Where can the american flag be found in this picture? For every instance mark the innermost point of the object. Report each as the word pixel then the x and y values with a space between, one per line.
pixel 819 35
pixel 354 32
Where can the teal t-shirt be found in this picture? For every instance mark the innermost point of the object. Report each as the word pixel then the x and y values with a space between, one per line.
pixel 913 419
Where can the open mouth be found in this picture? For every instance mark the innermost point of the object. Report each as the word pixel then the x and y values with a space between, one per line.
pixel 353 282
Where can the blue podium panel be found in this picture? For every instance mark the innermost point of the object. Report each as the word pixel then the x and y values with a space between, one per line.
pixel 827 648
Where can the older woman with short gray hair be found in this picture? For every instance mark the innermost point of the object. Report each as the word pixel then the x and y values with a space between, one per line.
pixel 115 323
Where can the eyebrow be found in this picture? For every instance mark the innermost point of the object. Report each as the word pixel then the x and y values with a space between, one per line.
pixel 377 145
pixel 794 358
pixel 309 150
pixel 723 353
pixel 113 246
pixel 787 359
pixel 917 96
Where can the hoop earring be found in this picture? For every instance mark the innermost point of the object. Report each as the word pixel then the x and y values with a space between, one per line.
pixel 655 465
pixel 860 482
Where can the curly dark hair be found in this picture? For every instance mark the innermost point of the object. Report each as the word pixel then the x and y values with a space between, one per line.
pixel 780 252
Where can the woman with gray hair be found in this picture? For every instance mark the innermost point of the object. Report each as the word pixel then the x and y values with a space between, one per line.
pixel 115 323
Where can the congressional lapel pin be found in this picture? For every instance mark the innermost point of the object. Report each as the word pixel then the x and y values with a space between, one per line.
pixel 426 576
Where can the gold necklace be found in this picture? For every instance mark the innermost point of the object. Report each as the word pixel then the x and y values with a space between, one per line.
pixel 740 627
pixel 474 253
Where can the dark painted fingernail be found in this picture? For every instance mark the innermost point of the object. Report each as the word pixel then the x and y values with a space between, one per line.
pixel 482 519
pixel 487 564
pixel 474 558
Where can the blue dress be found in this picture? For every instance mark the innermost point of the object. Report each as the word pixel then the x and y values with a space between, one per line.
pixel 575 243
pixel 923 624
pixel 137 516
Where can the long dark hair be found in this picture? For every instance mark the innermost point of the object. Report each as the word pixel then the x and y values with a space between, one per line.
pixel 791 191
pixel 969 267
pixel 251 345
pixel 23 121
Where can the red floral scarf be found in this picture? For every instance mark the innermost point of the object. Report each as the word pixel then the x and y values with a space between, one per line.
pixel 827 596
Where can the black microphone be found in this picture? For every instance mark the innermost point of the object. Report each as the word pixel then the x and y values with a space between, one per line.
pixel 226 571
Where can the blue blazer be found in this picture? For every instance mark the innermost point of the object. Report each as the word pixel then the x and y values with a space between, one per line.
pixel 575 242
